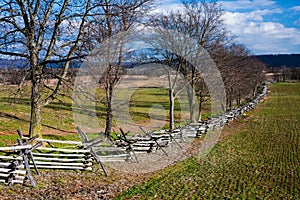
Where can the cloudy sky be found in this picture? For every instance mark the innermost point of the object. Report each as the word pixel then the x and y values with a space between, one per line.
pixel 263 26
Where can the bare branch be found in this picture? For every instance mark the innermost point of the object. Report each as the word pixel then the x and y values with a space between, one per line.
pixel 13 54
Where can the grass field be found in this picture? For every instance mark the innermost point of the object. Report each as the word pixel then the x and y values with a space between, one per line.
pixel 259 161
pixel 15 112
pixel 57 117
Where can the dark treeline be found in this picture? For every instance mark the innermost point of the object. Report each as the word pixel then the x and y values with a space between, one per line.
pixel 278 60
pixel 271 60
pixel 281 67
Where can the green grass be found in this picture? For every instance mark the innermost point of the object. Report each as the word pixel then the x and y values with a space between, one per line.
pixel 8 140
pixel 261 161
pixel 15 112
pixel 58 115
pixel 145 100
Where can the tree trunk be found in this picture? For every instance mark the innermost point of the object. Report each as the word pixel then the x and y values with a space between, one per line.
pixel 36 93
pixel 190 94
pixel 109 115
pixel 199 110
pixel 172 105
pixel 36 105
pixel 229 103
pixel 255 90
pixel 238 99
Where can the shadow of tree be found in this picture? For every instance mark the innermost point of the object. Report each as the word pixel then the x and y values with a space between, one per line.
pixel 10 116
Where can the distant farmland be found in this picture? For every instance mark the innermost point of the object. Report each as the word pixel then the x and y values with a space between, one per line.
pixel 259 161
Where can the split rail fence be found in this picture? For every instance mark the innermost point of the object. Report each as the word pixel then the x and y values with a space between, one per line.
pixel 16 161
pixel 14 165
pixel 61 154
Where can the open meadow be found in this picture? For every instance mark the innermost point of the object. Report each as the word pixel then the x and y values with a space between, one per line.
pixel 257 158
pixel 57 117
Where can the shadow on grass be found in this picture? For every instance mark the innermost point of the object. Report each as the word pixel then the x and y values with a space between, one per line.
pixel 10 116
pixel 26 101
pixel 52 105
pixel 22 101
pixel 148 104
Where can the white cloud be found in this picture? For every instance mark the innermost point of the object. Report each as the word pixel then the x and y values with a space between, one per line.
pixel 237 21
pixel 261 36
pixel 247 19
pixel 246 4
pixel 165 6
pixel 296 8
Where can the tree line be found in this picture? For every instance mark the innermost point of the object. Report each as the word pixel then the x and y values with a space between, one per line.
pixel 277 60
pixel 62 31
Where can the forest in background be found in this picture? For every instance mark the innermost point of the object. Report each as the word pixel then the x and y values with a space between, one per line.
pixel 277 60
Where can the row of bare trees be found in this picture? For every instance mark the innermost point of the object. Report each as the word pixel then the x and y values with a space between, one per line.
pixel 242 74
pixel 60 31
pixel 202 21
pixel 283 74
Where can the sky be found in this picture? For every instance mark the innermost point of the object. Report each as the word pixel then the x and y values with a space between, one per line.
pixel 263 26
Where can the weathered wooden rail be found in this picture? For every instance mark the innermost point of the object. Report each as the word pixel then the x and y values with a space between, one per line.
pixel 150 142
pixel 11 170
pixel 69 155
pixel 14 163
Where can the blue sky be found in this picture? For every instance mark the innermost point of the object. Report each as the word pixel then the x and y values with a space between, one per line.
pixel 263 26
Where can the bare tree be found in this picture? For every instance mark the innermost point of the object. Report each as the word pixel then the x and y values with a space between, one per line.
pixel 204 23
pixel 176 84
pixel 200 20
pixel 242 73
pixel 256 70
pixel 120 16
pixel 230 60
pixel 202 94
pixel 295 73
pixel 44 33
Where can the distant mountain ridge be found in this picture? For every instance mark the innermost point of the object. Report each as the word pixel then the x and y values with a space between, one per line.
pixel 14 63
pixel 21 63
pixel 275 60
pixel 278 60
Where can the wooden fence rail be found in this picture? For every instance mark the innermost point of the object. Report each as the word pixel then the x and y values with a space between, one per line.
pixel 14 163
pixel 69 155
